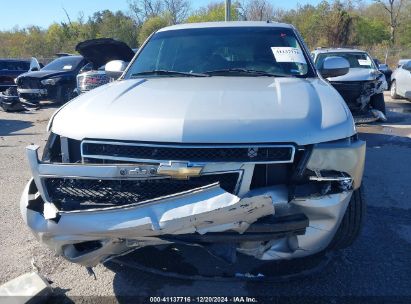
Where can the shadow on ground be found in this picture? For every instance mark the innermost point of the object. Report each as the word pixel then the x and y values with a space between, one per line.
pixel 7 127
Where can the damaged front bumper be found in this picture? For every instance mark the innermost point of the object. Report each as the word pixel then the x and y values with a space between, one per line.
pixel 265 222
pixel 358 95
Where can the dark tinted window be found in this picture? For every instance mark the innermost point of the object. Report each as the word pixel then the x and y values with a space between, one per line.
pixel 272 50
pixel 68 63
pixel 15 65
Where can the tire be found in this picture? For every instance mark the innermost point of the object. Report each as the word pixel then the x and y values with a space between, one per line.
pixel 350 226
pixel 393 90
pixel 65 94
pixel 377 102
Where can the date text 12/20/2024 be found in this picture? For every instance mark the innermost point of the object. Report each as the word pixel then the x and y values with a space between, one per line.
pixel 203 300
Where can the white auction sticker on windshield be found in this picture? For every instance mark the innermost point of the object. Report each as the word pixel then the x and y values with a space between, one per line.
pixel 288 54
pixel 67 67
pixel 364 62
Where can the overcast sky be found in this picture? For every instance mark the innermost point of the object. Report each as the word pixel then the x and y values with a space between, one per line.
pixel 44 12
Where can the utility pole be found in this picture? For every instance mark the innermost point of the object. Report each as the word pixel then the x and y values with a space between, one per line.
pixel 227 10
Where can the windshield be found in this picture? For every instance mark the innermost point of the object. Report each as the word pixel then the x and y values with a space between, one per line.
pixel 68 63
pixel 14 65
pixel 356 59
pixel 236 51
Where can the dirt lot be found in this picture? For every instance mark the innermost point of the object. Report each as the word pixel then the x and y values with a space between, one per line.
pixel 378 264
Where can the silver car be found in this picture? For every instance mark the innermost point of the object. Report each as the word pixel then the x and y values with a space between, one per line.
pixel 362 87
pixel 219 133
pixel 401 81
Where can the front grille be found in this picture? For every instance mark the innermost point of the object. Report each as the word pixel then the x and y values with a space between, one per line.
pixel 352 90
pixel 82 194
pixel 257 153
pixel 29 83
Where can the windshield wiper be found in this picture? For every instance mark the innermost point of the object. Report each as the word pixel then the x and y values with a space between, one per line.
pixel 243 71
pixel 169 73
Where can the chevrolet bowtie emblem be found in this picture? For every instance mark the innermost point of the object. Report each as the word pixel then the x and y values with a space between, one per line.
pixel 179 170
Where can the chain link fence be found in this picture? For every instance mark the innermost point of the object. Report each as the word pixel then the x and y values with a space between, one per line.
pixel 389 55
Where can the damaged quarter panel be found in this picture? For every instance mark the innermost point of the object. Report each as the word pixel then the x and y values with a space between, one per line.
pixel 239 143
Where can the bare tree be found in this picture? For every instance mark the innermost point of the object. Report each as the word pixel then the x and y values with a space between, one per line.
pixel 67 15
pixel 177 9
pixel 393 7
pixel 257 10
pixel 141 10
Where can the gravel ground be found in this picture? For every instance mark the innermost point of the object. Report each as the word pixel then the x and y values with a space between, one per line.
pixel 378 264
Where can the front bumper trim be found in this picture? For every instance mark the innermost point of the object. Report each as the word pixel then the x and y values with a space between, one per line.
pixel 32 91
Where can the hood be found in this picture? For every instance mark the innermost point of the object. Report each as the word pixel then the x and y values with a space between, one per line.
pixel 358 74
pixel 208 110
pixel 44 74
pixel 100 51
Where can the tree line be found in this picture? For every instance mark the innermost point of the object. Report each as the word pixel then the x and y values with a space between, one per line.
pixel 382 26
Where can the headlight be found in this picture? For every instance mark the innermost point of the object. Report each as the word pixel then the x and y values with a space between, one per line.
pixel 50 81
pixel 346 156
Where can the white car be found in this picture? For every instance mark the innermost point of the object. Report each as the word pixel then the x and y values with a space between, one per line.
pixel 218 133
pixel 401 81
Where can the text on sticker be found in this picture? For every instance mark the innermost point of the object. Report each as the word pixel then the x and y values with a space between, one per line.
pixel 288 54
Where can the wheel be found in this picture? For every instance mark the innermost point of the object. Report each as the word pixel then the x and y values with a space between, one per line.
pixel 351 223
pixel 393 90
pixel 377 102
pixel 64 94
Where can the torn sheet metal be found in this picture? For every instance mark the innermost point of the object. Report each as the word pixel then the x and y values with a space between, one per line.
pixel 325 215
pixel 370 89
pixel 207 209
pixel 10 101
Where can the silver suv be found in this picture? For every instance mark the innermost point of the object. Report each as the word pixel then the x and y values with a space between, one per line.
pixel 217 133
pixel 362 87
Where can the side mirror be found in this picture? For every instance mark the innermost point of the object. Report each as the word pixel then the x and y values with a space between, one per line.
pixel 383 67
pixel 115 68
pixel 33 69
pixel 334 66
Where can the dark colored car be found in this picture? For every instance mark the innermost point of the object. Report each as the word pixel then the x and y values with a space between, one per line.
pixel 11 68
pixel 56 81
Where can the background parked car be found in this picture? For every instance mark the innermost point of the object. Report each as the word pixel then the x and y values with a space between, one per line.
pixel 402 61
pixel 362 87
pixel 11 68
pixel 56 81
pixel 385 69
pixel 98 52
pixel 401 81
